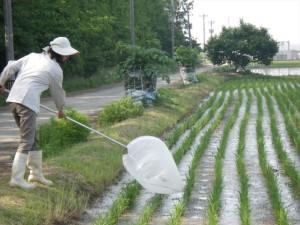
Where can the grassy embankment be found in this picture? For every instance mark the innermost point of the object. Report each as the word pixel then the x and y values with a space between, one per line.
pixel 83 171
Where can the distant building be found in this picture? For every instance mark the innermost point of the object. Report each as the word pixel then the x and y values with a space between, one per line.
pixel 287 55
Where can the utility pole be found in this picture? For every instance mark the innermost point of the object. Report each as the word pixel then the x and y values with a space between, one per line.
pixel 211 30
pixel 132 23
pixel 9 40
pixel 203 18
pixel 187 6
pixel 189 28
pixel 172 28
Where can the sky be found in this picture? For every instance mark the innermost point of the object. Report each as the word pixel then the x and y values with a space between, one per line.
pixel 280 17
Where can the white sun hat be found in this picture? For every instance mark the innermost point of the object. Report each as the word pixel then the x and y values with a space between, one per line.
pixel 62 46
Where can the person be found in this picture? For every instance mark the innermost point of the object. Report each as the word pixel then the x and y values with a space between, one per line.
pixel 36 72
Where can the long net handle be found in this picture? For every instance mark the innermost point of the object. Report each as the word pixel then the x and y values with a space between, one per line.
pixel 82 125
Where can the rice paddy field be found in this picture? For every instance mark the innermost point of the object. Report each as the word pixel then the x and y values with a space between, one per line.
pixel 239 155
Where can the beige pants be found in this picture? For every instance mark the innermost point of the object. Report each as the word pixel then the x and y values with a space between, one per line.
pixel 26 120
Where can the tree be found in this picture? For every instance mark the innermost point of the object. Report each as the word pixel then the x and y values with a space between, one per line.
pixel 144 64
pixel 242 45
pixel 93 27
pixel 186 56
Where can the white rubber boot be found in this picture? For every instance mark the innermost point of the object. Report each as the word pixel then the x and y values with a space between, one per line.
pixel 18 171
pixel 34 163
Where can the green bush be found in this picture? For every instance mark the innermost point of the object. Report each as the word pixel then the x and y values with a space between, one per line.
pixel 120 110
pixel 60 133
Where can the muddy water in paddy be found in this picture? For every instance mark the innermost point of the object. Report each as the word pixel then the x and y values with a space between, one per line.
pixel 229 212
pixel 260 206
pixel 291 205
pixel 164 212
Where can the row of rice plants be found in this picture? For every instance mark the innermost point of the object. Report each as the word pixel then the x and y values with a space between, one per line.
pixel 180 207
pixel 294 94
pixel 293 97
pixel 284 107
pixel 197 127
pixel 176 133
pixel 155 201
pixel 241 168
pixel 288 166
pixel 270 178
pixel 214 201
pixel 127 197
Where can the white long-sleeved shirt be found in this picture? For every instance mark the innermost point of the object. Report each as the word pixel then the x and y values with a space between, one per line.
pixel 36 73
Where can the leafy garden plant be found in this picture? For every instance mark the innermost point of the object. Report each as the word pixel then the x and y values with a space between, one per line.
pixel 120 110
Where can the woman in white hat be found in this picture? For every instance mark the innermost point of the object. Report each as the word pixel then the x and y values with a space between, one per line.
pixel 36 73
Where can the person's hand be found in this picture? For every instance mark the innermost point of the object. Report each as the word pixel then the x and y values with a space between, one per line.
pixel 61 114
pixel 2 89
